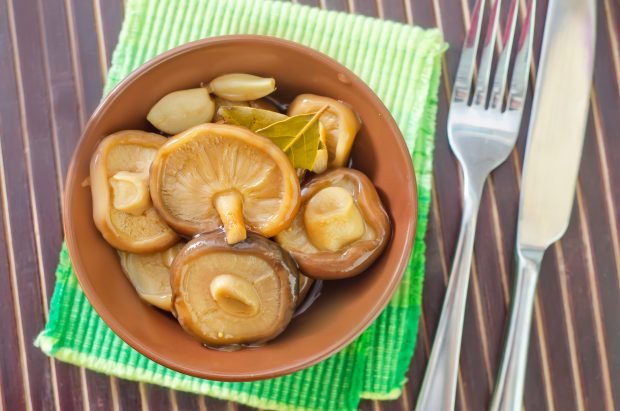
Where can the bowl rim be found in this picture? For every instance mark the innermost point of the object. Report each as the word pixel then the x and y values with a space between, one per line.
pixel 99 306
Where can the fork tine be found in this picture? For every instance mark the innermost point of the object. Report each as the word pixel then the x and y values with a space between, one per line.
pixel 465 71
pixel 501 72
pixel 518 84
pixel 482 85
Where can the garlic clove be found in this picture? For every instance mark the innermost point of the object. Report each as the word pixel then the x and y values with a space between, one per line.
pixel 180 110
pixel 242 87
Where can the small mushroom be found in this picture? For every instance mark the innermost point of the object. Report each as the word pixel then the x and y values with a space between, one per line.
pixel 239 294
pixel 216 175
pixel 122 208
pixel 180 110
pixel 341 227
pixel 340 122
pixel 150 276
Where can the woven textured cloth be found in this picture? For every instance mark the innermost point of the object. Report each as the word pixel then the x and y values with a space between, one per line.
pixel 402 65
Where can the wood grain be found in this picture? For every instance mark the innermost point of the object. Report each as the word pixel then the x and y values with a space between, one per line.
pixel 54 56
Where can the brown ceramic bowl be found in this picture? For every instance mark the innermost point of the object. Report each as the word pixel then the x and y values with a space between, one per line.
pixel 344 309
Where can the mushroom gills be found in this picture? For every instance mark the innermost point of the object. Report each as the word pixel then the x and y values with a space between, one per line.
pixel 218 175
pixel 149 275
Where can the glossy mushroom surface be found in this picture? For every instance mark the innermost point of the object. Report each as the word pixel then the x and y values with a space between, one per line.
pixel 305 284
pixel 340 122
pixel 233 294
pixel 150 275
pixel 341 227
pixel 122 208
pixel 218 175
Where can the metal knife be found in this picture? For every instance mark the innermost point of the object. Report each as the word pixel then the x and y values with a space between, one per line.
pixel 552 157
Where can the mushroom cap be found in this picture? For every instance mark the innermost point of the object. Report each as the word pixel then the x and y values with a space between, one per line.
pixel 127 152
pixel 353 258
pixel 150 275
pixel 305 284
pixel 192 169
pixel 264 289
pixel 340 122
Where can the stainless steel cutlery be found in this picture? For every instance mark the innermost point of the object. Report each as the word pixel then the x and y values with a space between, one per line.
pixel 482 130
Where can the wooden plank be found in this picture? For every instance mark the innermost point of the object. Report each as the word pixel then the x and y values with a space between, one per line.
pixel 90 69
pixel 21 105
pixel 213 404
pixel 392 10
pixel 365 7
pixel 157 398
pixel 11 373
pixel 128 395
pixel 340 5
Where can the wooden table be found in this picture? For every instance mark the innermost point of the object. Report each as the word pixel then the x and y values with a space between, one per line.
pixel 53 60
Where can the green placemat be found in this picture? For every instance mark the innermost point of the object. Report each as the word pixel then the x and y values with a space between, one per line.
pixel 402 65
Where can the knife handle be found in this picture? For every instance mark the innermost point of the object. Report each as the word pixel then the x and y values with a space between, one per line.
pixel 438 392
pixel 508 394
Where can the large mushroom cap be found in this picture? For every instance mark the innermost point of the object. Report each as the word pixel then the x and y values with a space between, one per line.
pixel 216 175
pixel 150 276
pixel 122 208
pixel 233 294
pixel 341 227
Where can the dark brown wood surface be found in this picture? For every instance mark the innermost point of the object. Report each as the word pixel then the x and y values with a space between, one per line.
pixel 53 60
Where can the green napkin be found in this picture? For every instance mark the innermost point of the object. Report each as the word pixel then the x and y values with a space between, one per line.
pixel 402 65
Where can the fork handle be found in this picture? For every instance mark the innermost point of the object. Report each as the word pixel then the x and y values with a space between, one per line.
pixel 438 390
pixel 508 394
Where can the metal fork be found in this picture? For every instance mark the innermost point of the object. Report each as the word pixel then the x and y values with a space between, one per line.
pixel 482 134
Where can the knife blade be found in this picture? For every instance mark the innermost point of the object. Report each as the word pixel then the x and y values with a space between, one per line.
pixel 558 122
pixel 552 157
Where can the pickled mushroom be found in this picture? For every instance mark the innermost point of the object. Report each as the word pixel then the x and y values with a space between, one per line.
pixel 340 123
pixel 217 175
pixel 239 294
pixel 150 276
pixel 341 227
pixel 122 208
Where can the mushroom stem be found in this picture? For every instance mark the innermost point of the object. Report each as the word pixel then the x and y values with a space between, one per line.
pixel 130 191
pixel 235 295
pixel 229 206
pixel 332 219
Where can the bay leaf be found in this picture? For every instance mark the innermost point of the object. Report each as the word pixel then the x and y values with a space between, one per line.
pixel 298 136
pixel 249 117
